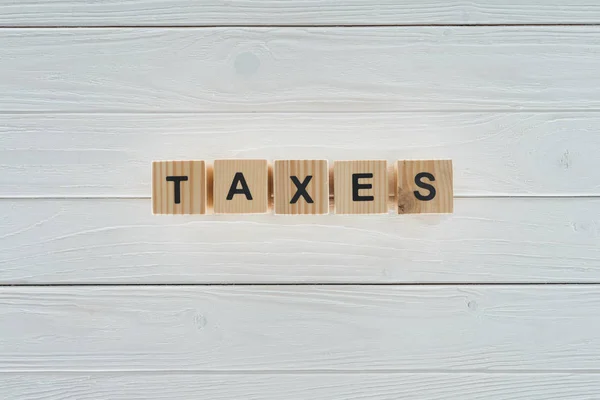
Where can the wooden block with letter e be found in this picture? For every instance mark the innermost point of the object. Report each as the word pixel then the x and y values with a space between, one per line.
pixel 301 187
pixel 360 187
pixel 179 187
pixel 241 187
pixel 425 186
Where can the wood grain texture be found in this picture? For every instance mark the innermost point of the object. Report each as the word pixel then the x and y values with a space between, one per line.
pixel 241 186
pixel 424 194
pixel 384 386
pixel 360 187
pixel 179 187
pixel 291 328
pixel 493 153
pixel 120 241
pixel 515 107
pixel 300 69
pixel 308 194
pixel 288 12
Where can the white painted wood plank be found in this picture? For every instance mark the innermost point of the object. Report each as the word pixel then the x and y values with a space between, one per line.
pixel 110 154
pixel 293 12
pixel 384 386
pixel 300 69
pixel 292 328
pixel 119 241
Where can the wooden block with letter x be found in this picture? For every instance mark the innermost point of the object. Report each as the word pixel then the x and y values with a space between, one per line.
pixel 425 186
pixel 179 187
pixel 241 187
pixel 360 187
pixel 301 187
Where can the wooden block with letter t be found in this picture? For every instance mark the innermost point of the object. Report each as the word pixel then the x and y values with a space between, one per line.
pixel 301 187
pixel 241 187
pixel 179 187
pixel 360 187
pixel 425 186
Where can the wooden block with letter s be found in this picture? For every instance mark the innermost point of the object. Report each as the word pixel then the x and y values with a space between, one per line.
pixel 424 186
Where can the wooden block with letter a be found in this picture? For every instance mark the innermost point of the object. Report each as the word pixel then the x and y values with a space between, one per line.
pixel 425 186
pixel 179 187
pixel 241 187
pixel 360 187
pixel 301 187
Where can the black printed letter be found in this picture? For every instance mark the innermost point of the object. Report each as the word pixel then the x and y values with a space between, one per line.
pixel 177 180
pixel 301 189
pixel 357 186
pixel 233 190
pixel 424 185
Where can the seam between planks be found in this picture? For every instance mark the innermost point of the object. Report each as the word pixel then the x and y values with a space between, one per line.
pixel 143 26
pixel 306 372
pixel 273 284
pixel 467 196
pixel 296 112
pixel 302 112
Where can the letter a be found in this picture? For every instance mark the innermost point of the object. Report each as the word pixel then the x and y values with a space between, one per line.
pixel 233 190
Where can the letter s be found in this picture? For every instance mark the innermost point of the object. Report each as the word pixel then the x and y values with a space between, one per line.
pixel 423 185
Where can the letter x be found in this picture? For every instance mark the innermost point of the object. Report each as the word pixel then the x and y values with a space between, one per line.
pixel 301 189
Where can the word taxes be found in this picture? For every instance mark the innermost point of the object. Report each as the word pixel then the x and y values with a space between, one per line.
pixel 244 186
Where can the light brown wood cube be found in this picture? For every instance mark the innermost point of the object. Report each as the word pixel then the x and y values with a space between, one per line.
pixel 360 187
pixel 241 186
pixel 425 186
pixel 179 187
pixel 301 187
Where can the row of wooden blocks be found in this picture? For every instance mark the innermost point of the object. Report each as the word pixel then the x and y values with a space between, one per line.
pixel 301 187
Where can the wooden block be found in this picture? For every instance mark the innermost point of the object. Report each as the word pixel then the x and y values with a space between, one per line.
pixel 301 187
pixel 360 187
pixel 179 187
pixel 425 186
pixel 241 186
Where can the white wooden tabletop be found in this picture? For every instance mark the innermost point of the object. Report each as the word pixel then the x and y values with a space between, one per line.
pixel 99 299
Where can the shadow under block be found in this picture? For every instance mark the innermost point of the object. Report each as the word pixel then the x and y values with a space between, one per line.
pixel 179 187
pixel 360 187
pixel 301 187
pixel 424 186
pixel 241 187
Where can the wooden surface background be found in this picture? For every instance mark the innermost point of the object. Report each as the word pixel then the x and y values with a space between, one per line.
pixel 100 299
